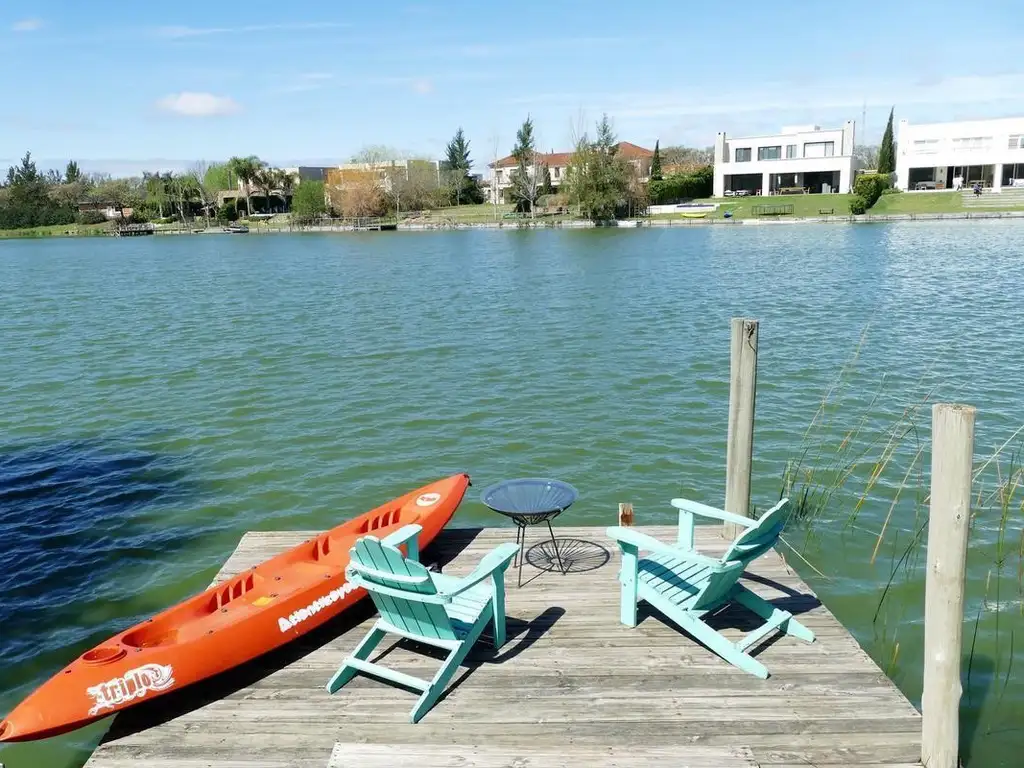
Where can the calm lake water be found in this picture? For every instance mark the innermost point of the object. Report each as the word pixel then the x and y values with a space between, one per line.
pixel 160 396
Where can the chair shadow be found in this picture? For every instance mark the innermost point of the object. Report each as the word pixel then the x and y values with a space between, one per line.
pixel 738 617
pixel 168 706
pixel 527 632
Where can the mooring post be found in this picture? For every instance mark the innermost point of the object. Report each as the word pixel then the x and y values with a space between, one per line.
pixel 740 440
pixel 625 513
pixel 949 520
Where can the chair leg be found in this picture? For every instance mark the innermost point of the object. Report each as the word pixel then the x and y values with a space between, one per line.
pixel 720 645
pixel 627 581
pixel 444 674
pixel 498 583
pixel 345 673
pixel 770 613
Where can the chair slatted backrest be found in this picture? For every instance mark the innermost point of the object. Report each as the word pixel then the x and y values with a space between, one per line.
pixel 748 546
pixel 378 565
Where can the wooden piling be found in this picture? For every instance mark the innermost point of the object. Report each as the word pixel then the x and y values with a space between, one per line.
pixel 742 394
pixel 625 513
pixel 949 520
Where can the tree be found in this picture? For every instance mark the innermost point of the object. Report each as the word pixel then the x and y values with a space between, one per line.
pixel 245 170
pixel 525 181
pixel 598 177
pixel 656 163
pixel 28 200
pixel 309 200
pixel 866 155
pixel 887 150
pixel 457 162
pixel 265 180
pixel 72 173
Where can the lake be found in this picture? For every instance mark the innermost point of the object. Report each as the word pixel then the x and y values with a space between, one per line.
pixel 163 395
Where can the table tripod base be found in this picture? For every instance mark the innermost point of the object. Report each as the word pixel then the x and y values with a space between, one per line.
pixel 521 554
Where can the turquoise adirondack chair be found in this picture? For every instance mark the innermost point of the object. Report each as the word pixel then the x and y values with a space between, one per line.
pixel 687 586
pixel 432 608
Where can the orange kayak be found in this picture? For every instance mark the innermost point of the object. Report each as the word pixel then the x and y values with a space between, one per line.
pixel 246 616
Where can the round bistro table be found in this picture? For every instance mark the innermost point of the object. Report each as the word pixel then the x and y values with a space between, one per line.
pixel 530 501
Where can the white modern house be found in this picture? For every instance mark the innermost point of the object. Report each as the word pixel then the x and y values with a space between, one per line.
pixel 801 158
pixel 954 155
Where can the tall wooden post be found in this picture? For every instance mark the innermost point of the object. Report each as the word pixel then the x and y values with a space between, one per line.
pixel 742 393
pixel 949 518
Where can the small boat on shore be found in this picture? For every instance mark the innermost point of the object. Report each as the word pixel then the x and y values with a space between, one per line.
pixel 237 229
pixel 246 616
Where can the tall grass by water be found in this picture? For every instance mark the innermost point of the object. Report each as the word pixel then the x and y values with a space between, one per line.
pixel 848 458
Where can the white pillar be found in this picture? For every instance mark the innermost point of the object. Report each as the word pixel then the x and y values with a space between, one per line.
pixel 997 176
pixel 766 183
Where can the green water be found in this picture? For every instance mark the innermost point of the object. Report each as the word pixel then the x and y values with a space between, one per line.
pixel 160 396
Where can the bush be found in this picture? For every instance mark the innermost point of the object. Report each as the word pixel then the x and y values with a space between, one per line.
pixel 682 186
pixel 870 186
pixel 91 217
pixel 858 205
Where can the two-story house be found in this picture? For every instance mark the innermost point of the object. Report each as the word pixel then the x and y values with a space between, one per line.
pixel 799 159
pixel 557 164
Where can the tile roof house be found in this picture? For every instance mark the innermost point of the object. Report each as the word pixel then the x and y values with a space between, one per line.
pixel 558 163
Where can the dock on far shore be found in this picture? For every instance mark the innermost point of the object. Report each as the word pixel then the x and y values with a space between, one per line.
pixel 572 686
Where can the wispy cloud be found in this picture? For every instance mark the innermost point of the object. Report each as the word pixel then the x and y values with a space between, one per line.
pixel 189 104
pixel 423 86
pixel 27 25
pixel 782 97
pixel 176 32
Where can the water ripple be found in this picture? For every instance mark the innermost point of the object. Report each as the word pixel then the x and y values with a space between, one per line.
pixel 162 396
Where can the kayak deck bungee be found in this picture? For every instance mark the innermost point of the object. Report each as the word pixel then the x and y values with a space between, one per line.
pixel 240 619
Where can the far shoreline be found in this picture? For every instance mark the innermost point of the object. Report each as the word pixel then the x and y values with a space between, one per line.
pixel 521 224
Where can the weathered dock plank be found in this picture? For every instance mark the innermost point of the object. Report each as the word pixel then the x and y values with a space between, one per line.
pixel 571 682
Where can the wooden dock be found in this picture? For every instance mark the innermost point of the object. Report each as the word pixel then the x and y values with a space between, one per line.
pixel 572 686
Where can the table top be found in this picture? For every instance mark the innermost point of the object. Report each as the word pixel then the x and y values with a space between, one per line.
pixel 527 496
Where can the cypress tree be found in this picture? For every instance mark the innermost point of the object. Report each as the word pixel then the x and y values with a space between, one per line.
pixel 656 163
pixel 887 152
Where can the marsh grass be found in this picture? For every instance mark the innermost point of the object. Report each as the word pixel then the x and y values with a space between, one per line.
pixel 859 486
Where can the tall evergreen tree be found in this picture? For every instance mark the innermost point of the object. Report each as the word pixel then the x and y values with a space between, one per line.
pixel 887 151
pixel 656 163
pixel 464 187
pixel 524 177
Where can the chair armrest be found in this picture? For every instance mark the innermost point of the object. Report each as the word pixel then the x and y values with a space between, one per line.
pixel 407 534
pixel 696 508
pixel 633 537
pixel 495 560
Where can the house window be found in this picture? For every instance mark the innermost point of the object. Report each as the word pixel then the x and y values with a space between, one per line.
pixel 499 175
pixel 790 151
pixel 1017 141
pixel 558 171
pixel 819 149
pixel 769 153
pixel 971 143
pixel 926 146
pixel 743 155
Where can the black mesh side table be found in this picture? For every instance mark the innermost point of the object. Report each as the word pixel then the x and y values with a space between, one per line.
pixel 530 501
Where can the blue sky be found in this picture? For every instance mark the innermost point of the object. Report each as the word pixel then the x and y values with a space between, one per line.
pixel 122 86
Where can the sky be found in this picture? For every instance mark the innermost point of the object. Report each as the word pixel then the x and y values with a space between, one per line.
pixel 123 87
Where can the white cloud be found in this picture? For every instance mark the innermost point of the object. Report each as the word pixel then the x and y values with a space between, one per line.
pixel 182 31
pixel 192 104
pixel 423 86
pixel 787 97
pixel 27 25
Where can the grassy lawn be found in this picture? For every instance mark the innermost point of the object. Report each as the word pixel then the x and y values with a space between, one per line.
pixel 803 205
pixel 58 230
pixel 918 202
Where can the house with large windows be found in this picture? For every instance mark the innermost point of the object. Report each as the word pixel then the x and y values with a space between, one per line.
pixel 799 159
pixel 956 155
